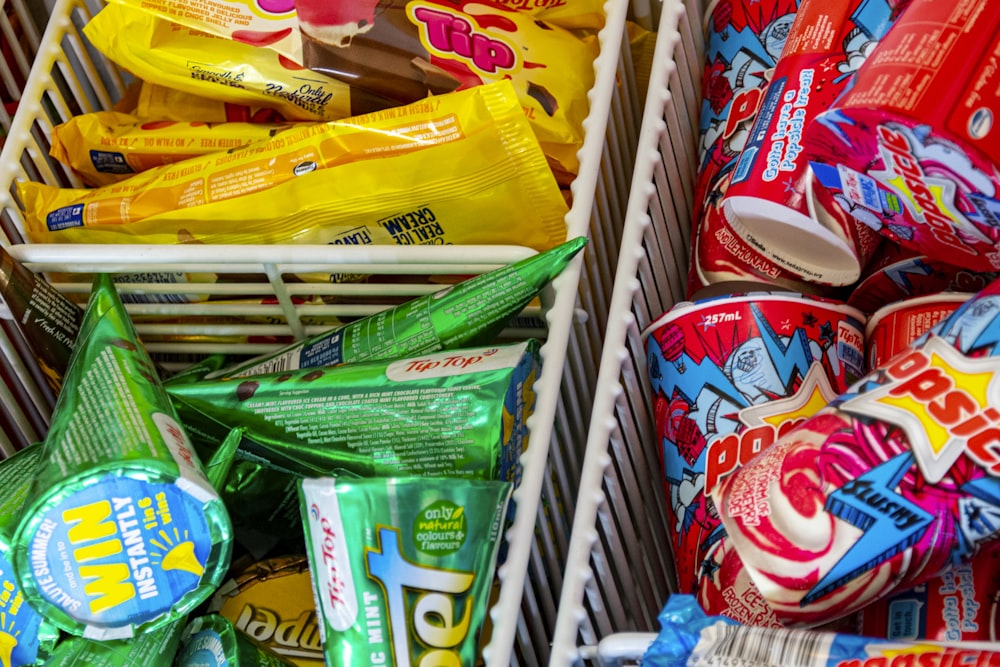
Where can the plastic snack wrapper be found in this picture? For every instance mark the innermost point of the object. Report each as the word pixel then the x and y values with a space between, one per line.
pixel 883 489
pixel 212 640
pixel 196 62
pixel 690 638
pixel 105 147
pixel 460 413
pixel 402 568
pixel 405 51
pixel 155 648
pixel 471 312
pixel 25 636
pixel 46 319
pixel 466 169
pixel 121 531
pixel 156 102
pixel 272 602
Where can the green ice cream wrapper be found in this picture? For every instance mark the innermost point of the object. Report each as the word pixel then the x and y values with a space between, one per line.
pixel 23 631
pixel 459 413
pixel 121 531
pixel 213 641
pixel 470 313
pixel 402 567
pixel 155 648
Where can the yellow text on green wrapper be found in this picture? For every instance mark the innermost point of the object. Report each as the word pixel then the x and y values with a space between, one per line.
pixel 402 567
pixel 121 532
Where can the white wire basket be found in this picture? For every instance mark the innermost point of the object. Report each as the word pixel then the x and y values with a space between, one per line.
pixel 619 571
pixel 19 43
pixel 69 77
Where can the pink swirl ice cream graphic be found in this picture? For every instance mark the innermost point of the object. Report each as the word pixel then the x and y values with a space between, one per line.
pixel 886 487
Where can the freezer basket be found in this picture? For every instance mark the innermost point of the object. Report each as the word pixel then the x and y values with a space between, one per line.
pixel 619 570
pixel 69 77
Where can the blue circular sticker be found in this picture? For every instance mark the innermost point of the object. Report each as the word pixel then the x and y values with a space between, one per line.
pixel 18 621
pixel 120 552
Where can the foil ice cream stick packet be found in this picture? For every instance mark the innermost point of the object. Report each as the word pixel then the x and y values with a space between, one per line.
pixel 212 640
pixel 155 648
pixel 46 319
pixel 25 636
pixel 104 147
pixel 121 530
pixel 460 413
pixel 402 567
pixel 466 169
pixel 690 638
pixel 272 602
pixel 469 313
pixel 895 480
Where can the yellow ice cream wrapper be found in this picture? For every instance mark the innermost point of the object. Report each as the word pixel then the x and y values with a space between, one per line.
pixel 156 102
pixel 459 168
pixel 197 62
pixel 106 147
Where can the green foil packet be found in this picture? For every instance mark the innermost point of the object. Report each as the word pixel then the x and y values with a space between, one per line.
pixel 468 314
pixel 121 532
pixel 213 641
pixel 155 648
pixel 25 636
pixel 461 413
pixel 402 568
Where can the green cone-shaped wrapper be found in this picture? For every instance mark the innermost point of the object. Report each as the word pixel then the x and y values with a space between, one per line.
pixel 156 648
pixel 460 413
pixel 211 640
pixel 402 568
pixel 122 532
pixel 468 314
pixel 27 635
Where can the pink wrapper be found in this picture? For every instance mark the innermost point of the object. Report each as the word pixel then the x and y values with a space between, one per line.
pixel 913 148
pixel 960 604
pixel 884 488
pixel 768 201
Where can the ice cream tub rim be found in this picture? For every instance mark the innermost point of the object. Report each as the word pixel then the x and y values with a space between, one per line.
pixel 890 309
pixel 684 308
pixel 767 226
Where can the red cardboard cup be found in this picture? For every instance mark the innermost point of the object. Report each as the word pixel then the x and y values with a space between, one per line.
pixel 887 486
pixel 743 39
pixel 901 274
pixel 719 255
pixel 913 149
pixel 768 201
pixel 729 374
pixel 892 328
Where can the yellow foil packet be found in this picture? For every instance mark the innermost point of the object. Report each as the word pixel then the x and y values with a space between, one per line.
pixel 203 64
pixel 460 168
pixel 156 102
pixel 107 146
pixel 406 50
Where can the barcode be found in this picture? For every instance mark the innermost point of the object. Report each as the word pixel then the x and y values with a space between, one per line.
pixel 282 363
pixel 127 297
pixel 745 646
